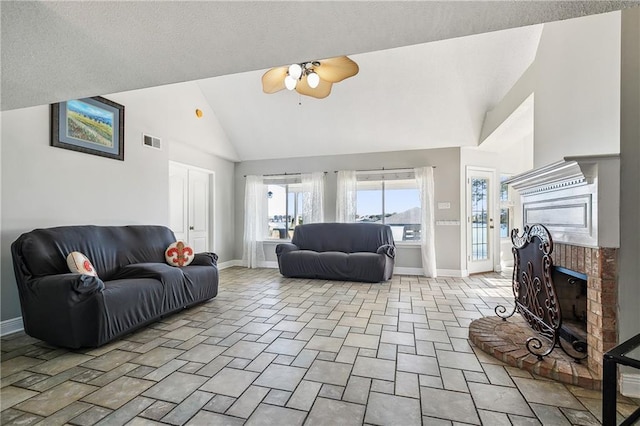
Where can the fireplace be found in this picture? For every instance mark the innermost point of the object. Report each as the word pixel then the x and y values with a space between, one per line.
pixel 571 289
pixel 574 200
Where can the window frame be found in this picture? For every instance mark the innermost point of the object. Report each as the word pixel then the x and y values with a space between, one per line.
pixel 382 177
pixel 287 183
pixel 505 204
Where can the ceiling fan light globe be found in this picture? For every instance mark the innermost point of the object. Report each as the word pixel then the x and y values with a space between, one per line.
pixel 295 71
pixel 313 80
pixel 290 82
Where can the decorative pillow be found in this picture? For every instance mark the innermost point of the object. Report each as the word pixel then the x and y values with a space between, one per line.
pixel 79 264
pixel 179 254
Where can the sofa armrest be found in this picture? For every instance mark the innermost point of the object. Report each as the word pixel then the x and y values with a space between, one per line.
pixel 387 249
pixel 283 248
pixel 64 309
pixel 65 287
pixel 205 259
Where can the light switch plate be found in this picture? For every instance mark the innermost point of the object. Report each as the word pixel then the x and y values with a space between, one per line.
pixel 442 206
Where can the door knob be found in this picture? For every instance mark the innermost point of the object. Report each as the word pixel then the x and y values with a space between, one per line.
pixel 191 228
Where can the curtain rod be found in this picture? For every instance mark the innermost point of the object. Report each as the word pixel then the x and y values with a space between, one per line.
pixel 386 170
pixel 283 174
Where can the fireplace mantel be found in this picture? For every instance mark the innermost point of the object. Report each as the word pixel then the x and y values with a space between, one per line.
pixel 577 199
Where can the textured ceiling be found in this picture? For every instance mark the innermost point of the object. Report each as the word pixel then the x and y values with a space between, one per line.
pixel 57 50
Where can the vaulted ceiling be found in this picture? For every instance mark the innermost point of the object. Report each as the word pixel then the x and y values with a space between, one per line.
pixel 430 95
pixel 422 82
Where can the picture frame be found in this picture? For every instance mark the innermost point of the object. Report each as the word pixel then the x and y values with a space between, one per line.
pixel 90 125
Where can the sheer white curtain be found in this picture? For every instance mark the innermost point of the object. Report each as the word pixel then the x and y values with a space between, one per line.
pixel 255 216
pixel 346 197
pixel 313 197
pixel 424 179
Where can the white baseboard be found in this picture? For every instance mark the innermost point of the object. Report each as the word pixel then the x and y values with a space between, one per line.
pixel 11 326
pixel 403 270
pixel 457 273
pixel 238 262
pixel 630 385
pixel 229 264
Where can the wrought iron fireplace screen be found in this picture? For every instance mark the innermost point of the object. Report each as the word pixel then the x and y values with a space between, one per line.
pixel 535 296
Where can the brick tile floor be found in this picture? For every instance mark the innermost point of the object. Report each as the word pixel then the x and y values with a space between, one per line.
pixel 270 350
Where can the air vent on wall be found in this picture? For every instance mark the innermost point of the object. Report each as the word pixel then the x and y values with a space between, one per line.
pixel 151 141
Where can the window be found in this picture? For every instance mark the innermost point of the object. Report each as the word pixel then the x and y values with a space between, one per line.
pixel 392 201
pixel 480 218
pixel 284 209
pixel 504 188
pixel 504 222
pixel 506 208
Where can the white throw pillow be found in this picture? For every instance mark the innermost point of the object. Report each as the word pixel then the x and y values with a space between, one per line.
pixel 179 254
pixel 79 264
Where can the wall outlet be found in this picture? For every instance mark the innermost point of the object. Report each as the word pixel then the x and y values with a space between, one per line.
pixel 443 206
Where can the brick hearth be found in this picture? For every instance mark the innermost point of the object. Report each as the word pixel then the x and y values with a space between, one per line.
pixel 505 340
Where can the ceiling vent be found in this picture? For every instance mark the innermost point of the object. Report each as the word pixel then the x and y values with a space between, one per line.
pixel 151 141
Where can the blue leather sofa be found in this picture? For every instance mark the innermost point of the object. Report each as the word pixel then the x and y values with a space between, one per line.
pixel 134 286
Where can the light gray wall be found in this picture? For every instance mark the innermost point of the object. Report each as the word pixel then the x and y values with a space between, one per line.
pixel 520 91
pixel 629 267
pixel 447 189
pixel 577 88
pixel 43 186
pixel 575 79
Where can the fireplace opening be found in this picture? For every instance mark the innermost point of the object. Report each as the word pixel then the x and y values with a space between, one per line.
pixel 571 289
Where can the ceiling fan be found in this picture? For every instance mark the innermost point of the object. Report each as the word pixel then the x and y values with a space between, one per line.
pixel 313 78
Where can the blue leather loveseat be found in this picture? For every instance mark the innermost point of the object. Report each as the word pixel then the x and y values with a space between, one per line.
pixel 339 251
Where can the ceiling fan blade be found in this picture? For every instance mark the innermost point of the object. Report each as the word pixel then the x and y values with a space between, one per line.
pixel 336 69
pixel 322 91
pixel 273 80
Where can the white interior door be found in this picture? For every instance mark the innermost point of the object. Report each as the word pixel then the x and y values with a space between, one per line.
pixel 190 205
pixel 480 220
pixel 198 210
pixel 179 201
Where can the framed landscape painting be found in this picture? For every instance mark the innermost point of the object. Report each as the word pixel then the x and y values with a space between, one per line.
pixel 90 125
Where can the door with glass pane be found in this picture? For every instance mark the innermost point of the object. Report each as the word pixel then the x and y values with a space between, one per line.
pixel 480 223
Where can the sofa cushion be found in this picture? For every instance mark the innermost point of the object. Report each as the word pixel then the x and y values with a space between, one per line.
pixel 200 281
pixel 179 254
pixel 344 237
pixel 334 265
pixel 79 264
pixel 177 293
pixel 130 303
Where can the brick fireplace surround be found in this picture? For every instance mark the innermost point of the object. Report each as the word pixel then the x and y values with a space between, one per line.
pixel 600 265
pixel 570 198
